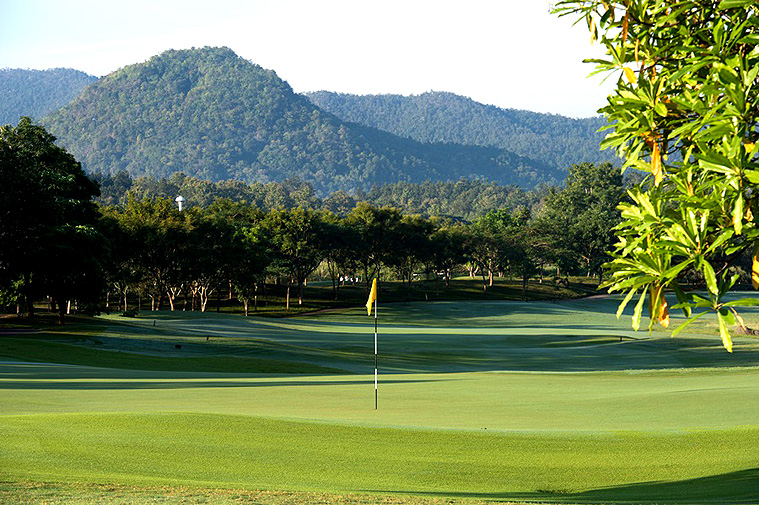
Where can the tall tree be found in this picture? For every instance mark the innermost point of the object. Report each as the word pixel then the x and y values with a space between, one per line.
pixel 50 245
pixel 297 239
pixel 375 228
pixel 579 219
pixel 163 256
pixel 410 246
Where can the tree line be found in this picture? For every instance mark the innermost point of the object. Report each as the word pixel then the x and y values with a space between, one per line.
pixel 61 244
pixel 464 199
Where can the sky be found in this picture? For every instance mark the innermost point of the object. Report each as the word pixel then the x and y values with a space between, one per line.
pixel 508 53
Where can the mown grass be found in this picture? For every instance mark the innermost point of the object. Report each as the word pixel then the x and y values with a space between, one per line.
pixel 57 493
pixel 208 450
pixel 552 408
pixel 41 350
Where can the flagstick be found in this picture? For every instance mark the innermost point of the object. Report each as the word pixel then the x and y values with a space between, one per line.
pixel 375 355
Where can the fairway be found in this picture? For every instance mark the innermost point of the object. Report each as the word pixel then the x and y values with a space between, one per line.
pixel 540 401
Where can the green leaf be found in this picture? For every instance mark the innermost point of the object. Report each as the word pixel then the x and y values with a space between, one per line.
pixel 724 333
pixel 639 309
pixel 742 302
pixel 727 315
pixel 711 278
pixel 622 305
pixel 738 214
pixel 733 4
pixel 682 298
pixel 680 328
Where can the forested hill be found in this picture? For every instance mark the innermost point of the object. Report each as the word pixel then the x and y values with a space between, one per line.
pixel 445 117
pixel 36 93
pixel 211 114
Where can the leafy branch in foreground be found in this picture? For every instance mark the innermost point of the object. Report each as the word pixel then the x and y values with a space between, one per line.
pixel 685 111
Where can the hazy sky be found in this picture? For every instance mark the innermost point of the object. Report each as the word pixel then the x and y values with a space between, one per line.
pixel 509 53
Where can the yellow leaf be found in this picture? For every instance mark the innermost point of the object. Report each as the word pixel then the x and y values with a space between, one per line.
pixel 637 45
pixel 630 75
pixel 664 316
pixel 749 146
pixel 755 267
pixel 656 167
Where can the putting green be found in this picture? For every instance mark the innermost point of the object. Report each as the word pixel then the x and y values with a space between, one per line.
pixel 538 401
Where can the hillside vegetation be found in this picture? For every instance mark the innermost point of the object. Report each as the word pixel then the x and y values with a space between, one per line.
pixel 555 140
pixel 211 114
pixel 36 93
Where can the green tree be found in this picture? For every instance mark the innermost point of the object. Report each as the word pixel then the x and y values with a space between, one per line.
pixel 410 247
pixel 447 248
pixel 578 220
pixel 50 244
pixel 297 238
pixel 685 110
pixel 488 243
pixel 162 256
pixel 375 228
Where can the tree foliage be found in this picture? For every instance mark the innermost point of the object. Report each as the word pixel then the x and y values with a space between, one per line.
pixel 685 111
pixel 50 245
pixel 435 117
pixel 37 93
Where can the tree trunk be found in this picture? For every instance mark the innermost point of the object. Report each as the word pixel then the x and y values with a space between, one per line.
pixel 245 305
pixel 287 303
pixel 29 305
pixel 203 292
pixel 61 312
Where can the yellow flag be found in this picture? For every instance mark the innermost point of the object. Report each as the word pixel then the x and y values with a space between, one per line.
pixel 372 297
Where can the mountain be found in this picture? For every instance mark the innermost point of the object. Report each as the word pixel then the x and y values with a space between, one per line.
pixel 211 114
pixel 36 93
pixel 555 140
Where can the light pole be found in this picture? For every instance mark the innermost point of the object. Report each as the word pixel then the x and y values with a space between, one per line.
pixel 180 200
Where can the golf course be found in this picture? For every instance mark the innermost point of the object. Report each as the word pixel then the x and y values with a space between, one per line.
pixel 481 401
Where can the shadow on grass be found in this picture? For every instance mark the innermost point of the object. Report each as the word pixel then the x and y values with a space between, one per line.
pixel 160 384
pixel 62 377
pixel 729 488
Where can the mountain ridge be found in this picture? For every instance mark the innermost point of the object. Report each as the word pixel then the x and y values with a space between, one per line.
pixel 439 116
pixel 37 93
pixel 212 114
